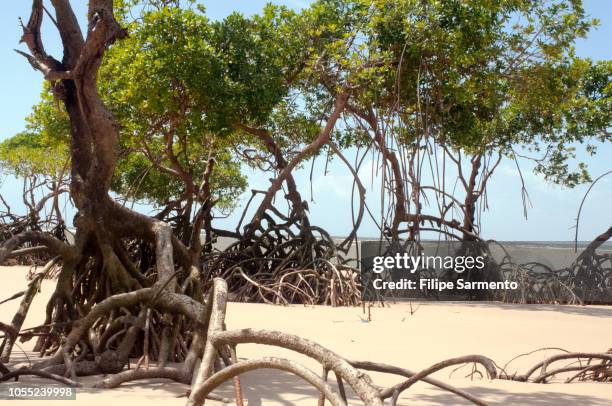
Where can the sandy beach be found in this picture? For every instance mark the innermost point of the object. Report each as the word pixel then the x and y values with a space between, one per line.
pixel 414 341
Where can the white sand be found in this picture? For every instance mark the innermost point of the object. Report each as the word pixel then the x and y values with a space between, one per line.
pixel 435 332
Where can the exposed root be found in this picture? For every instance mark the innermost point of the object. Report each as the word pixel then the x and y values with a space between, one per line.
pixel 270 363
pixel 42 374
pixel 582 363
pixel 390 369
pixel 286 263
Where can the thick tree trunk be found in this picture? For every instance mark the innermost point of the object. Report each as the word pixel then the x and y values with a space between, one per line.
pixel 97 266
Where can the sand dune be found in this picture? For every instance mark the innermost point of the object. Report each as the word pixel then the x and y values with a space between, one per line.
pixel 435 332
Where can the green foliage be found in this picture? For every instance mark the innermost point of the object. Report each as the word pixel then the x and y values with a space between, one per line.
pixel 584 117
pixel 42 149
pixel 476 76
pixel 183 78
pixel 483 75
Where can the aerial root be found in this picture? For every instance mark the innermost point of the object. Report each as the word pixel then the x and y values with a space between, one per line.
pixel 286 262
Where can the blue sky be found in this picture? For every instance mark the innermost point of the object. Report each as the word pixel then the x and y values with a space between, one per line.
pixel 553 210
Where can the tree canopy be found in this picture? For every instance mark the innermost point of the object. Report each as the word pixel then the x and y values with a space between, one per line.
pixel 479 77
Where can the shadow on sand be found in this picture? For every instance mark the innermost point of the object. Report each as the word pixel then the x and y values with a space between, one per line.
pixel 592 311
pixel 272 387
pixel 504 397
pixel 266 386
